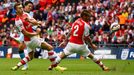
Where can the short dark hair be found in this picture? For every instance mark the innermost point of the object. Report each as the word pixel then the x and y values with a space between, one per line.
pixel 17 4
pixel 28 2
pixel 85 13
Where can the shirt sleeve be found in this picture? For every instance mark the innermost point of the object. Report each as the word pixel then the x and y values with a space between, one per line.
pixel 86 32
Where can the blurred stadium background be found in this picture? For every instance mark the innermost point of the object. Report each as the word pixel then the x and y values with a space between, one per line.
pixel 117 49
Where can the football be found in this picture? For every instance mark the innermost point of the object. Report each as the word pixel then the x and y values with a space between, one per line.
pixel 114 27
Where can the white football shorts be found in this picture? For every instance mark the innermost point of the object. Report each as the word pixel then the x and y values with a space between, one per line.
pixel 76 48
pixel 34 43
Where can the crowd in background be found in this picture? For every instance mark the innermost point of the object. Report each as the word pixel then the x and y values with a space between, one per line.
pixel 58 18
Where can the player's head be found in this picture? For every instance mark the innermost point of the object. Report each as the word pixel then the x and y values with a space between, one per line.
pixel 28 6
pixel 85 15
pixel 19 8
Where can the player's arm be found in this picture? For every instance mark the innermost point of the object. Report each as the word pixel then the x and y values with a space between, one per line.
pixel 87 37
pixel 67 36
pixel 33 21
pixel 65 41
pixel 89 42
pixel 29 34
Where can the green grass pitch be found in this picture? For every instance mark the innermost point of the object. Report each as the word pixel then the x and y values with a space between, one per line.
pixel 75 67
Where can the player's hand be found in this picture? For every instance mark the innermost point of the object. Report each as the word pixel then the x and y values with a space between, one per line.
pixel 40 23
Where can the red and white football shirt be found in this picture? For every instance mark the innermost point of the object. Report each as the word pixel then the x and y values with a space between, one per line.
pixel 79 30
pixel 20 20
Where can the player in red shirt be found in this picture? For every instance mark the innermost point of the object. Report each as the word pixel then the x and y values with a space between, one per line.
pixel 78 36
pixel 27 8
pixel 24 24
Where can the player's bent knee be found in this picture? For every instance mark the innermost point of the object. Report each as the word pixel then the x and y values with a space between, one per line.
pixel 50 48
pixel 21 47
pixel 31 55
pixel 46 46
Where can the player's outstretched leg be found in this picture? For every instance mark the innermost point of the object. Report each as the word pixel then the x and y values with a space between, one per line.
pixel 23 61
pixel 55 59
pixel 104 68
pixel 22 55
pixel 97 61
pixel 52 56
pixel 56 62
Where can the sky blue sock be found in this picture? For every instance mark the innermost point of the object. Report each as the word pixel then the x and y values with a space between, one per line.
pixel 22 55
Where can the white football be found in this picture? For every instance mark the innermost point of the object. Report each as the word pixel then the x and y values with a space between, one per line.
pixel 114 27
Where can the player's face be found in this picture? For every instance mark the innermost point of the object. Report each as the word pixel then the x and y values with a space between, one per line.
pixel 19 9
pixel 29 7
pixel 86 18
